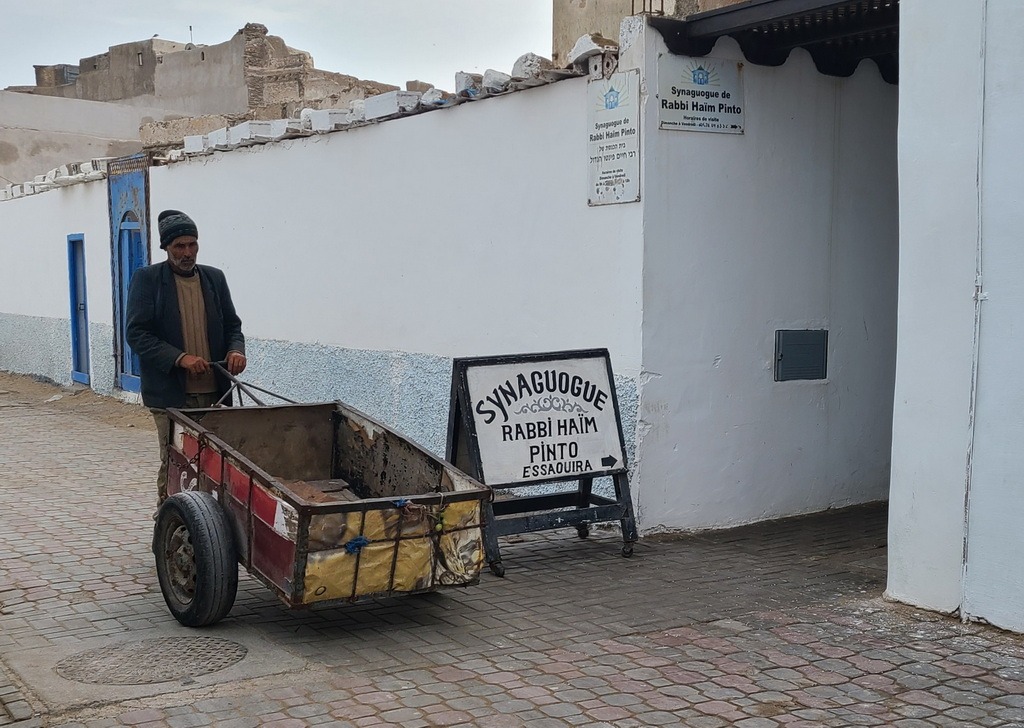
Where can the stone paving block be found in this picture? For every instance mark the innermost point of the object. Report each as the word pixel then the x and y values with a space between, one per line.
pixel 757 723
pixel 910 710
pixel 20 710
pixel 188 721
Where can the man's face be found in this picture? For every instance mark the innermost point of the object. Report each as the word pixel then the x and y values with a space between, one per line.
pixel 182 252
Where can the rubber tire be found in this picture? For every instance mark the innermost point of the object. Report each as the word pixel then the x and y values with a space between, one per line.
pixel 214 562
pixel 583 530
pixel 627 550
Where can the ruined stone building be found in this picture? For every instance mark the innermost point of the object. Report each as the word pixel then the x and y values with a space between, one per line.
pixel 154 92
pixel 252 73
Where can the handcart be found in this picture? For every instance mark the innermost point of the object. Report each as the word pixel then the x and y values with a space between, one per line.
pixel 320 502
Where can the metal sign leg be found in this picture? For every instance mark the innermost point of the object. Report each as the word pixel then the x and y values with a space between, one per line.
pixel 491 549
pixel 586 487
pixel 628 521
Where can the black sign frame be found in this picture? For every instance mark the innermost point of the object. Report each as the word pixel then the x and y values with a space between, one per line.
pixel 504 515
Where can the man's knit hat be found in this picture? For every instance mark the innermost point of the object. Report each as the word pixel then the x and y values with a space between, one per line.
pixel 173 224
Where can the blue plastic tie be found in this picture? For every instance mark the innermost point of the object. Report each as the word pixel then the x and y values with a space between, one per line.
pixel 356 545
pixel 401 503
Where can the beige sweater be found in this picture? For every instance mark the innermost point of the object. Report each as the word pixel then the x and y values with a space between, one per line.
pixel 193 331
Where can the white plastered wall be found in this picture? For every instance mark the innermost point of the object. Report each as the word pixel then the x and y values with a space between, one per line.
pixel 458 232
pixel 35 248
pixel 940 127
pixel 955 535
pixel 994 575
pixel 792 225
pixel 34 295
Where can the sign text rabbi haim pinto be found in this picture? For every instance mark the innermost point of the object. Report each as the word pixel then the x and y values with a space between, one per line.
pixel 563 400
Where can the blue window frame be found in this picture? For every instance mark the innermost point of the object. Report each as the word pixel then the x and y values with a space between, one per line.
pixel 79 309
pixel 130 256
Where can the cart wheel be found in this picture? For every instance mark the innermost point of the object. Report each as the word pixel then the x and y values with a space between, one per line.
pixel 583 530
pixel 195 558
pixel 497 568
pixel 627 550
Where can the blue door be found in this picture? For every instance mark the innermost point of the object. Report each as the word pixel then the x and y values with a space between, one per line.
pixel 128 188
pixel 79 309
pixel 131 255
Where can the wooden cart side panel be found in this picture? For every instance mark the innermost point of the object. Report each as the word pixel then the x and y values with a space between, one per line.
pixel 460 558
pixel 181 475
pixel 273 559
pixel 382 558
pixel 264 524
pixel 378 463
pixel 195 463
pixel 275 527
pixel 292 442
pixel 459 555
pixel 235 496
pixel 238 517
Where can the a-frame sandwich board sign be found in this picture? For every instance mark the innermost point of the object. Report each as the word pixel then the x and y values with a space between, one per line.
pixel 527 419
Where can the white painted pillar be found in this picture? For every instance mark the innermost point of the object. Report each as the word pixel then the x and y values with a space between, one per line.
pixel 941 93
pixel 994 582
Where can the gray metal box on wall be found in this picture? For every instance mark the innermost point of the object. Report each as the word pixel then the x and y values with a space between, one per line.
pixel 801 354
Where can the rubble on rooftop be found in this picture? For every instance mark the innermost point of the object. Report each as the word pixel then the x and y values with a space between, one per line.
pixel 530 70
pixel 223 132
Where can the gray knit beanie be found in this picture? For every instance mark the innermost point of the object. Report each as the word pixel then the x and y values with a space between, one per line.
pixel 173 224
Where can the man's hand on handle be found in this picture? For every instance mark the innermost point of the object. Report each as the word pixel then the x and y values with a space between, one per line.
pixel 235 363
pixel 194 364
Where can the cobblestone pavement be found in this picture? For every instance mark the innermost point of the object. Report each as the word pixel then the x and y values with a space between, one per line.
pixel 771 625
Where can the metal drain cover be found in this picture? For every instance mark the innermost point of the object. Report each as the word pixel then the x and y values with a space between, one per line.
pixel 149 661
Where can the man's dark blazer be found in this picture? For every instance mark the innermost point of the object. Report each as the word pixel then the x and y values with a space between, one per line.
pixel 154 330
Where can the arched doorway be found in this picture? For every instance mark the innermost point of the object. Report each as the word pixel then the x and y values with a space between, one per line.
pixel 130 255
pixel 128 186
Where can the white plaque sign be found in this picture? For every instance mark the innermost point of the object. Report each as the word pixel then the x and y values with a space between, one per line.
pixel 545 419
pixel 613 128
pixel 700 94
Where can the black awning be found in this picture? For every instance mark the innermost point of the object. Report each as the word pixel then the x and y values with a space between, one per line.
pixel 838 35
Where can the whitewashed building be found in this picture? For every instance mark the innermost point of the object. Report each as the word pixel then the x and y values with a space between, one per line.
pixel 788 278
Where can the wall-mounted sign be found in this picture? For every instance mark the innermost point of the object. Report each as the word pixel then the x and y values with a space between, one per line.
pixel 538 417
pixel 613 128
pixel 700 94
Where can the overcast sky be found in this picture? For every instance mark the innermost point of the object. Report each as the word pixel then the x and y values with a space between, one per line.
pixel 391 41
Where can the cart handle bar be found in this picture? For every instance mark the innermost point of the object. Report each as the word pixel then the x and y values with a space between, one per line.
pixel 244 387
